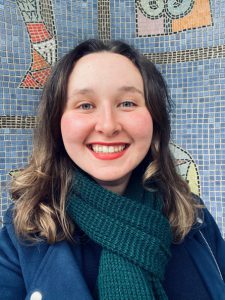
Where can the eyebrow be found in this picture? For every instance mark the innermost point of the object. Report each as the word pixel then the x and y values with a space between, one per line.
pixel 130 89
pixel 86 91
pixel 81 91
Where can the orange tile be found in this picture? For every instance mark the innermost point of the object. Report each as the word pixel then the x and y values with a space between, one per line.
pixel 29 82
pixel 39 62
pixel 198 17
pixel 41 76
pixel 38 32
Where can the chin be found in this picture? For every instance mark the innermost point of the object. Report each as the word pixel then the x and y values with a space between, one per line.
pixel 110 180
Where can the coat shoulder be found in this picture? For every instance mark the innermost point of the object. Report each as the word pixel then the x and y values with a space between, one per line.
pixel 207 232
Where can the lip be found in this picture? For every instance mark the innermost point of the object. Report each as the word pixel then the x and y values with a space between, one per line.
pixel 108 156
pixel 108 144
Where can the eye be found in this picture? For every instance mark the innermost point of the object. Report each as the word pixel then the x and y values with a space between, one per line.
pixel 127 104
pixel 86 106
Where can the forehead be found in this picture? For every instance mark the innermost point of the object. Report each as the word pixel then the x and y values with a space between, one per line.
pixel 105 66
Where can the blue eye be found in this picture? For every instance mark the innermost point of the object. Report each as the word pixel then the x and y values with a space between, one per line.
pixel 127 104
pixel 86 106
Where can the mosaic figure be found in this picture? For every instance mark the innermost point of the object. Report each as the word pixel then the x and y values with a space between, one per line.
pixel 165 17
pixel 39 21
pixel 186 167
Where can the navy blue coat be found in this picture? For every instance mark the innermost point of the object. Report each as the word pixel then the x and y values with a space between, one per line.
pixel 196 270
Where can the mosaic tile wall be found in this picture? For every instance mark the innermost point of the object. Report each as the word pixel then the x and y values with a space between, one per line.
pixel 184 38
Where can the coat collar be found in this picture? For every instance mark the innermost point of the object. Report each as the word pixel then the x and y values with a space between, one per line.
pixel 199 225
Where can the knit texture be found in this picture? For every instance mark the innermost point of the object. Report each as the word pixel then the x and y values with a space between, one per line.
pixel 134 235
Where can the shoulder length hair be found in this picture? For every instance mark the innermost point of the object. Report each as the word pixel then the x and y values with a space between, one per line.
pixel 40 189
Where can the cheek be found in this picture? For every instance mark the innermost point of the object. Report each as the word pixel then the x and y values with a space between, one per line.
pixel 142 127
pixel 73 128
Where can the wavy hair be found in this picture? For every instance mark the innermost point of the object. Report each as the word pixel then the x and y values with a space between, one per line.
pixel 40 190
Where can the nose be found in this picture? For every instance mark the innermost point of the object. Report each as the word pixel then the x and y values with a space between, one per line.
pixel 108 122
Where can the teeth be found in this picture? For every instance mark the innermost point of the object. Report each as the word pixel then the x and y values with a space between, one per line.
pixel 107 149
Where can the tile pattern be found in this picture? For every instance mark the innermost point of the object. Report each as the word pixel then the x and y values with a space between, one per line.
pixel 166 17
pixel 37 16
pixel 186 42
pixel 187 55
pixel 25 122
pixel 15 149
pixel 104 20
pixel 187 168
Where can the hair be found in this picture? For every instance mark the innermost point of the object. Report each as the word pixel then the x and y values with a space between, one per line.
pixel 40 190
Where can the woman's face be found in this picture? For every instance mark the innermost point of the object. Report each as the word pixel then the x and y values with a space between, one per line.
pixel 106 126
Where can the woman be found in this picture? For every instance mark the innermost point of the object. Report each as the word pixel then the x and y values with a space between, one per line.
pixel 100 211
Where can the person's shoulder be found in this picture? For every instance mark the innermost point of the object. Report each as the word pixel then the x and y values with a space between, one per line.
pixel 8 226
pixel 9 246
pixel 8 215
pixel 203 213
pixel 204 216
pixel 8 234
pixel 206 227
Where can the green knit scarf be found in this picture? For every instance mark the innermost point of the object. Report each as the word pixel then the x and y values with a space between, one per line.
pixel 134 235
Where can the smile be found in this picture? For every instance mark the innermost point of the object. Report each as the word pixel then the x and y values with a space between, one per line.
pixel 107 149
pixel 108 152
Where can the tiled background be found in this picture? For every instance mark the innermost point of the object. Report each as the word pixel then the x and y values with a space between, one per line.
pixel 184 38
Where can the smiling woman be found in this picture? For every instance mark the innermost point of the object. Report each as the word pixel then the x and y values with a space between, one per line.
pixel 100 211
pixel 96 122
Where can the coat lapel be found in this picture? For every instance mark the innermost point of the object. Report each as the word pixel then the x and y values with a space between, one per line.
pixel 58 276
pixel 204 261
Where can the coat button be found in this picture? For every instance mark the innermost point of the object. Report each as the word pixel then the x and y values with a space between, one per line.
pixel 36 296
